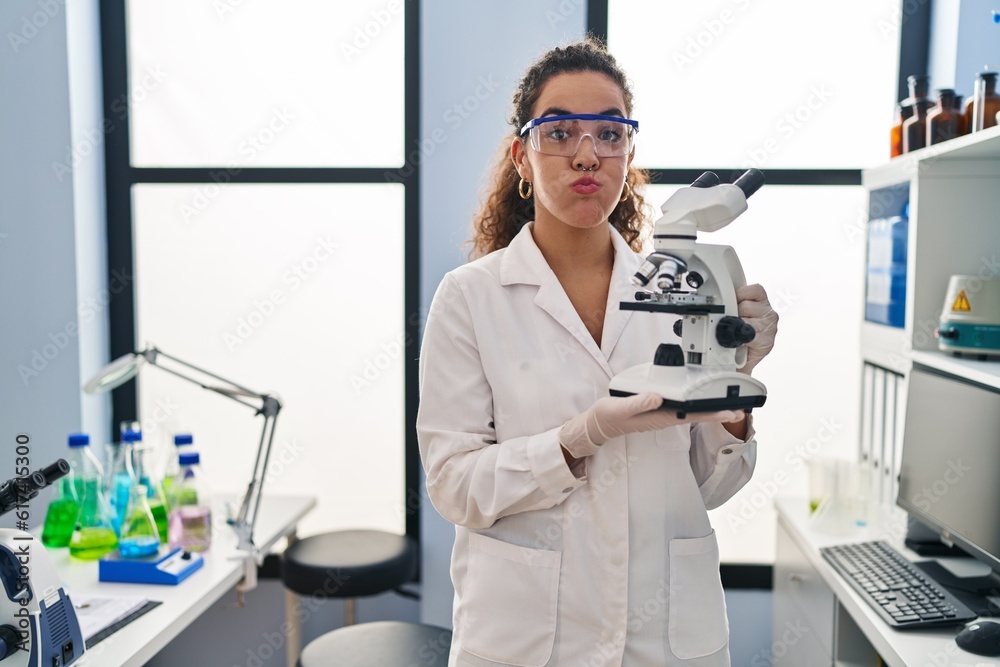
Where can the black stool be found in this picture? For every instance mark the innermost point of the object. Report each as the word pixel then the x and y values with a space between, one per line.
pixel 382 644
pixel 344 564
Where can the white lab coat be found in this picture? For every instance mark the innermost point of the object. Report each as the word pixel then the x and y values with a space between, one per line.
pixel 611 563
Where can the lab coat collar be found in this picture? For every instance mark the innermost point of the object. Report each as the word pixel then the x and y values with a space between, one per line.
pixel 523 263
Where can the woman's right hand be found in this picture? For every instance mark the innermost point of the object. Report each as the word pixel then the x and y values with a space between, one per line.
pixel 613 416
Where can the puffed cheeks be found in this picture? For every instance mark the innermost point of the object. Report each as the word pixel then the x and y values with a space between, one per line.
pixel 755 309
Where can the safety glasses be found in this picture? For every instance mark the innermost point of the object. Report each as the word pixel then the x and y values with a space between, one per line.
pixel 561 135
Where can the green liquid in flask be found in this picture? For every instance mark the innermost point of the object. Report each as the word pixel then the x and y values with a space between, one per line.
pixel 159 511
pixel 60 520
pixel 92 543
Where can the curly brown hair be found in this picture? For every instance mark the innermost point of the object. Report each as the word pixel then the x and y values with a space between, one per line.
pixel 503 213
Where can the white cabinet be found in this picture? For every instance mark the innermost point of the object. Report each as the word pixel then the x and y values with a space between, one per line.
pixel 802 632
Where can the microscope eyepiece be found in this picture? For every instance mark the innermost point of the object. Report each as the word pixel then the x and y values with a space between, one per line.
pixel 18 490
pixel 709 179
pixel 54 471
pixel 750 181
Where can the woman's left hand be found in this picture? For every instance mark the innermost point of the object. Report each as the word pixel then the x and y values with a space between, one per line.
pixel 755 309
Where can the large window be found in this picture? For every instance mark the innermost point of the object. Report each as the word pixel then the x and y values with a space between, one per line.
pixel 261 192
pixel 806 95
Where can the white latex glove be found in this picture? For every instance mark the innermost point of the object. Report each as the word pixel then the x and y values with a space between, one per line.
pixel 755 309
pixel 614 416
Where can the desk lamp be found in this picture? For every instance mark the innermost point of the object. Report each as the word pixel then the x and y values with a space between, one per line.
pixel 123 369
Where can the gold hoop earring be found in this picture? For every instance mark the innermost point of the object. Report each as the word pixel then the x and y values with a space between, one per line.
pixel 626 193
pixel 521 191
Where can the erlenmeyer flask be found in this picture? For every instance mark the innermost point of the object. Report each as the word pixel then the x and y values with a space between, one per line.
pixel 121 472
pixel 94 535
pixel 145 475
pixel 139 536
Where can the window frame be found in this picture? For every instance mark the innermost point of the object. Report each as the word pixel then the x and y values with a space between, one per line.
pixel 121 176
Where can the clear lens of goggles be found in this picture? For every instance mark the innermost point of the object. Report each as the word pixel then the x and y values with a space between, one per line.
pixel 562 135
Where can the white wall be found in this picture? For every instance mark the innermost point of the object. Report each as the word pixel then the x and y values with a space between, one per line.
pixel 53 332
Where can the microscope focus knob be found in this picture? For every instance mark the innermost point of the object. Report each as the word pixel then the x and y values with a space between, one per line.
pixel 679 328
pixel 8 641
pixel 733 332
pixel 668 355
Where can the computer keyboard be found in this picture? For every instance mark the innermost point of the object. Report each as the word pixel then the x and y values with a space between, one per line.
pixel 902 595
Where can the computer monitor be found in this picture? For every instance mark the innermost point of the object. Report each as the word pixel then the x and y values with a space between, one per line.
pixel 949 476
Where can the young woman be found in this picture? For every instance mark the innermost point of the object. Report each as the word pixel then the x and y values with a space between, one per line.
pixel 582 533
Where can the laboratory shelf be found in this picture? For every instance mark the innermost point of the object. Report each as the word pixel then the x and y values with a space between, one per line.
pixel 980 146
pixel 974 370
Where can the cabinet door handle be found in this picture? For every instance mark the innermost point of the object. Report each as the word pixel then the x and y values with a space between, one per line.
pixel 796 577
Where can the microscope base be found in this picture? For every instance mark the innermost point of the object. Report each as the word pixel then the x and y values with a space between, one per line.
pixel 690 389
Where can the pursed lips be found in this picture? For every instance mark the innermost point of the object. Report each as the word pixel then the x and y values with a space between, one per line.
pixel 585 186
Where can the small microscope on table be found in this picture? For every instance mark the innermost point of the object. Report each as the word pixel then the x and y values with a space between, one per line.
pixel 38 623
pixel 698 282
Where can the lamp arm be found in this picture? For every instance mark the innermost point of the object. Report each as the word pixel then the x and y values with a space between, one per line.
pixel 151 354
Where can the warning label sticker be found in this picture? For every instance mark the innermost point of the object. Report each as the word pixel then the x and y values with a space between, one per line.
pixel 961 304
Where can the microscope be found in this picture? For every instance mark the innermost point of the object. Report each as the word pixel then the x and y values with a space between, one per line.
pixel 38 624
pixel 697 282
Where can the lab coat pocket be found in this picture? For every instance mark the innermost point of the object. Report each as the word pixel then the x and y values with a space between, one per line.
pixel 510 599
pixel 697 624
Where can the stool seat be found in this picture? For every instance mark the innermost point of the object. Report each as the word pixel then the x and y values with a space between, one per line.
pixel 349 563
pixel 380 644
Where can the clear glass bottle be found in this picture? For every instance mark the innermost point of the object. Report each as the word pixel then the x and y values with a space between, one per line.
pixel 942 120
pixel 190 506
pixel 94 534
pixel 121 475
pixel 139 534
pixel 173 467
pixel 985 102
pixel 904 110
pixel 146 476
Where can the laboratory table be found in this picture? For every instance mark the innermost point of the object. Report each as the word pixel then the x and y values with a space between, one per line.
pixel 140 640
